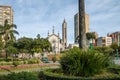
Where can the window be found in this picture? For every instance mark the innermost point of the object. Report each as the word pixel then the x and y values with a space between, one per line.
pixel 8 8
pixel 8 17
pixel 53 41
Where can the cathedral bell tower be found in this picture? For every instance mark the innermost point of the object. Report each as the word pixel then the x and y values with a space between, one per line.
pixel 64 33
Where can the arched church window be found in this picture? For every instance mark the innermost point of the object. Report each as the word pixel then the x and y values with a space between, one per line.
pixel 53 41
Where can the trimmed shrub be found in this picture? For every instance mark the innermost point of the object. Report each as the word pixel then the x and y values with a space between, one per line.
pixel 105 50
pixel 76 62
pixel 2 77
pixel 47 75
pixel 16 63
pixel 2 59
pixel 22 76
pixel 9 59
pixel 25 62
pixel 54 59
pixel 114 69
pixel 33 61
pixel 5 63
pixel 17 59
pixel 41 75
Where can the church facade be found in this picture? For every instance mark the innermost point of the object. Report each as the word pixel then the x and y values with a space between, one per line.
pixel 57 43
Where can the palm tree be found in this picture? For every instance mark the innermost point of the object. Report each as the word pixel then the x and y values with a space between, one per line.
pixel 90 36
pixel 82 35
pixel 7 33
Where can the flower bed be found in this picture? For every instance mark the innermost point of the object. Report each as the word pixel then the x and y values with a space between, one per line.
pixel 25 67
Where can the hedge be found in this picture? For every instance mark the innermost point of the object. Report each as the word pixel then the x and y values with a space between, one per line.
pixel 5 63
pixel 20 76
pixel 55 76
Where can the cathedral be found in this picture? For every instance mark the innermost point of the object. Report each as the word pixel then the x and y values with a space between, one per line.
pixel 57 43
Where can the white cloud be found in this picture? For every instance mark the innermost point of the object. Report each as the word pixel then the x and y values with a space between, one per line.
pixel 104 15
pixel 46 17
pixel 38 16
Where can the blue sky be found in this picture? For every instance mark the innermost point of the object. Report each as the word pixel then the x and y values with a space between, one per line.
pixel 34 17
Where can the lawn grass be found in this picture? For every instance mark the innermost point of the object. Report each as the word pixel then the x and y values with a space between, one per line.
pixel 28 69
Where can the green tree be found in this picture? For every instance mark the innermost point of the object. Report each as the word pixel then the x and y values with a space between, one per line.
pixel 24 45
pixel 38 36
pixel 1 43
pixel 12 51
pixel 90 35
pixel 7 32
pixel 1 46
pixel 77 39
pixel 114 46
pixel 45 44
pixel 54 59
pixel 40 44
pixel 119 49
pixel 9 43
pixel 10 48
pixel 36 45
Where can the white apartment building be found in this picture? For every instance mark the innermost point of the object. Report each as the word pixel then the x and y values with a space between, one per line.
pixel 104 41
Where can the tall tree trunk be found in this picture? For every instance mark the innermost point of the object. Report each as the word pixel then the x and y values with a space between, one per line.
pixel 82 33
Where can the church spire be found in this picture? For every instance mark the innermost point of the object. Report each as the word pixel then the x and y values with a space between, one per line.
pixel 53 29
pixel 64 33
pixel 64 21
pixel 58 34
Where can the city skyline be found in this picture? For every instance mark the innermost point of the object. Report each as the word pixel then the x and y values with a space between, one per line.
pixel 38 16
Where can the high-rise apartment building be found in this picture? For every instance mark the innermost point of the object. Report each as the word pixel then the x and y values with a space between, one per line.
pixel 76 25
pixel 6 12
pixel 115 37
pixel 64 33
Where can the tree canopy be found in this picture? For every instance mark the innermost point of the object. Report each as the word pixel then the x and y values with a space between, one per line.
pixel 90 35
